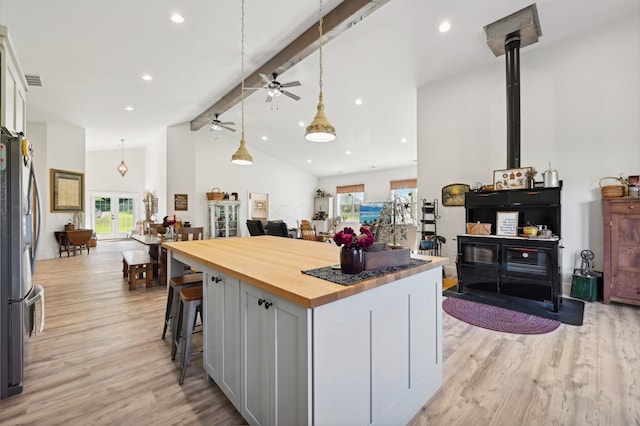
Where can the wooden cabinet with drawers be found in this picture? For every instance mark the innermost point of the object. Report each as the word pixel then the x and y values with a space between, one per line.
pixel 622 250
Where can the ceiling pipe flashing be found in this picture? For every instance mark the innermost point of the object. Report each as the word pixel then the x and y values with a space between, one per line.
pixel 523 23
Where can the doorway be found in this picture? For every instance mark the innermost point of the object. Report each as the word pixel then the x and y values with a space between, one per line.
pixel 113 215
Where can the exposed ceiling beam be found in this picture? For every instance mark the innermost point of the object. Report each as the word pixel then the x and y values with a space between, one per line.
pixel 342 17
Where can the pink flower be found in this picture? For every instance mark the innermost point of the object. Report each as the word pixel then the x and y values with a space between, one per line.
pixel 348 238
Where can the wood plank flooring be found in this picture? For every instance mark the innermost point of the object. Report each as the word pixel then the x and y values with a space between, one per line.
pixel 101 361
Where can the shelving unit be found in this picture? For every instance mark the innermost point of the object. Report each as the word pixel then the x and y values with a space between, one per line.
pixel 223 219
pixel 430 242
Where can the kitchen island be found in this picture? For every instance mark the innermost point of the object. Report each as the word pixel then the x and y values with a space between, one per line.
pixel 289 348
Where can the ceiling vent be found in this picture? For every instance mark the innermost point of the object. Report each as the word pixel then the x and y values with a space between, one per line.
pixel 33 80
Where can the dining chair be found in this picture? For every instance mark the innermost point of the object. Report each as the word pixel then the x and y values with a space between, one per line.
pixel 188 234
pixel 255 227
pixel 277 228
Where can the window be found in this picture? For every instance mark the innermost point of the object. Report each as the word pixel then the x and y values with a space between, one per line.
pixel 406 192
pixel 349 199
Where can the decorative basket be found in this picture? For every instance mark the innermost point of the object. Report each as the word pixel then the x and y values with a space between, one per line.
pixel 613 191
pixel 215 195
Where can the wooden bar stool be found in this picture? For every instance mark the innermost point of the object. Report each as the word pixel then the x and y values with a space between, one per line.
pixel 173 296
pixel 190 301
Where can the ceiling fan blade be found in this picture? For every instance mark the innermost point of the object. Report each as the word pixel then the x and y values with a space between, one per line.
pixel 265 78
pixel 228 128
pixel 291 95
pixel 291 84
pixel 227 123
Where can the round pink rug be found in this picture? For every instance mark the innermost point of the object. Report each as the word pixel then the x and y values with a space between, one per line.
pixel 498 319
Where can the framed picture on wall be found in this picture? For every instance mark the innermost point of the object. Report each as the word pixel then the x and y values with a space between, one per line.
pixel 67 191
pixel 258 206
pixel 510 178
pixel 180 202
pixel 453 195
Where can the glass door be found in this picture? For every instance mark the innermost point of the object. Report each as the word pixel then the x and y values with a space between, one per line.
pixel 113 215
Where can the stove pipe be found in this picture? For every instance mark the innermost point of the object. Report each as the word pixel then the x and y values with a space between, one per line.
pixel 512 48
pixel 505 37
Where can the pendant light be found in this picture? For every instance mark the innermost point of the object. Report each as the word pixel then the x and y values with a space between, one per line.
pixel 320 130
pixel 242 156
pixel 122 168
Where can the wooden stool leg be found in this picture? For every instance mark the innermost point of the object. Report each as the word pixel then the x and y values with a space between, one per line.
pixel 125 268
pixel 132 277
pixel 149 275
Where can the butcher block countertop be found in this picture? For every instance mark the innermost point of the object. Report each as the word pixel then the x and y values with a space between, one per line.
pixel 274 264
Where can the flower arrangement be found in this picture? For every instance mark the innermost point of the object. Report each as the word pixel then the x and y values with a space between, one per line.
pixel 348 238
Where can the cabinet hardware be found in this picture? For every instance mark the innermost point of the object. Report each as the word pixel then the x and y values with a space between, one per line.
pixel 216 279
pixel 267 304
pixel 261 301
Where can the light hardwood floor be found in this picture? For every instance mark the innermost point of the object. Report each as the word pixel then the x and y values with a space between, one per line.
pixel 101 361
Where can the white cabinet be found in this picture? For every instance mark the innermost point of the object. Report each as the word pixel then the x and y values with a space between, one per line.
pixel 223 219
pixel 13 87
pixel 323 205
pixel 276 362
pixel 222 332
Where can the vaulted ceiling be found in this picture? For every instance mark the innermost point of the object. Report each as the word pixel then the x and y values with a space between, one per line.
pixel 91 57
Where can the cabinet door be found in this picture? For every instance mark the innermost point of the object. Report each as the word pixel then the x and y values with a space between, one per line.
pixel 625 256
pixel 255 356
pixel 275 359
pixel 222 332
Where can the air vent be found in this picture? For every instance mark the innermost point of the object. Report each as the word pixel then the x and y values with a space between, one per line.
pixel 33 80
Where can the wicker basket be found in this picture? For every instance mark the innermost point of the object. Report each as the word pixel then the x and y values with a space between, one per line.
pixel 215 195
pixel 613 191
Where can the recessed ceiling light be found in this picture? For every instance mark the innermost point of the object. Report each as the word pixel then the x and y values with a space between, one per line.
pixel 147 77
pixel 301 123
pixel 264 138
pixel 177 18
pixel 348 152
pixel 403 140
pixel 309 160
pixel 129 108
pixel 444 27
pixel 358 101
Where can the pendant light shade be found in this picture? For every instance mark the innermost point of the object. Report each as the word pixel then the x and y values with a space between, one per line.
pixel 320 130
pixel 122 168
pixel 242 156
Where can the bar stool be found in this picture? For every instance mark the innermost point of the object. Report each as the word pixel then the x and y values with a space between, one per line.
pixel 190 302
pixel 173 295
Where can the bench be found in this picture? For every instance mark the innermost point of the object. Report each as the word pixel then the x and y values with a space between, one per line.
pixel 137 267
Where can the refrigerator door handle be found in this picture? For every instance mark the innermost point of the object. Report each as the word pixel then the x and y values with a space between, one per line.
pixel 36 243
pixel 30 302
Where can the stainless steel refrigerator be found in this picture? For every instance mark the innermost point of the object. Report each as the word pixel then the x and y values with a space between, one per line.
pixel 19 231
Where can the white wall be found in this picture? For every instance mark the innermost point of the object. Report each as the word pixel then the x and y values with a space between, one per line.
pixel 198 162
pixel 580 112
pixel 61 147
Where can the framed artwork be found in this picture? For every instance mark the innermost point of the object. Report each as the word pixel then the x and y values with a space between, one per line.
pixel 510 178
pixel 67 191
pixel 507 224
pixel 180 202
pixel 453 195
pixel 258 206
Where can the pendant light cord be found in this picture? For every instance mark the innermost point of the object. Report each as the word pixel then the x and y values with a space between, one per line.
pixel 320 19
pixel 242 70
pixel 122 144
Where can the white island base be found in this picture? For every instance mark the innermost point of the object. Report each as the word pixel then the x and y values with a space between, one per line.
pixel 373 357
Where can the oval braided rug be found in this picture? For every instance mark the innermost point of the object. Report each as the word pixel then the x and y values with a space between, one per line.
pixel 498 319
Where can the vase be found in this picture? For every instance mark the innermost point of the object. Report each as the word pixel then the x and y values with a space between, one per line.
pixel 351 260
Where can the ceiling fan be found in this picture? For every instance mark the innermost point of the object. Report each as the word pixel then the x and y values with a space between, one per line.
pixel 217 125
pixel 275 88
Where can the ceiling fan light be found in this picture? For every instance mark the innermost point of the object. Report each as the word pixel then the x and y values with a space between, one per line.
pixel 242 156
pixel 216 126
pixel 271 93
pixel 320 130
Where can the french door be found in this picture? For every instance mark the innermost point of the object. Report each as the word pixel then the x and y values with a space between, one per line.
pixel 113 215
